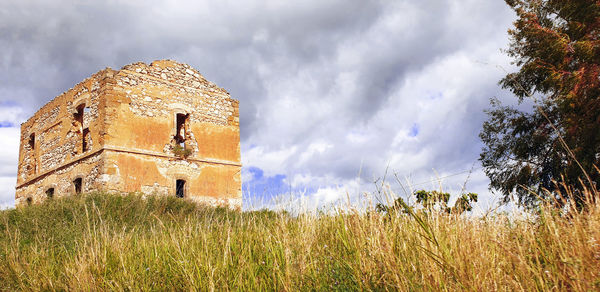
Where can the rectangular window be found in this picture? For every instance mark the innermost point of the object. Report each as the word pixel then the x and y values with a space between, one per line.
pixel 86 134
pixel 33 163
pixel 78 183
pixel 180 188
pixel 78 116
pixel 181 128
pixel 32 141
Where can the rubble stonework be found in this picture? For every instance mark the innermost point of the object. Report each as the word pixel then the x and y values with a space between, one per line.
pixel 159 129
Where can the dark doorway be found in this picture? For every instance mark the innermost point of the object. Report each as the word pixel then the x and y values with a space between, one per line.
pixel 29 200
pixel 180 188
pixel 78 182
pixel 50 193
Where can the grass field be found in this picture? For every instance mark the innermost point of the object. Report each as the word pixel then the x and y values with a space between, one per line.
pixel 108 242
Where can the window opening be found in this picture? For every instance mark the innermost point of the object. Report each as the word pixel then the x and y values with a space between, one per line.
pixel 29 200
pixel 78 182
pixel 180 188
pixel 50 193
pixel 180 134
pixel 86 134
pixel 32 141
pixel 33 165
pixel 78 116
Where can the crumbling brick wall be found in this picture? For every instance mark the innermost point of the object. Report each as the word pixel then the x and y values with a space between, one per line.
pixel 157 129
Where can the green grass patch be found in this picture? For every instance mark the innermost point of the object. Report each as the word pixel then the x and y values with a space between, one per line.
pixel 109 242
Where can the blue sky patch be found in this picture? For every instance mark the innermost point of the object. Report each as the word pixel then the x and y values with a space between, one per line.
pixel 414 130
pixel 6 124
pixel 9 103
pixel 264 187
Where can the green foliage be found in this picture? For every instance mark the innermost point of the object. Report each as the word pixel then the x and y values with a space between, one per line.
pixel 181 152
pixel 555 43
pixel 463 203
pixel 398 206
pixel 431 201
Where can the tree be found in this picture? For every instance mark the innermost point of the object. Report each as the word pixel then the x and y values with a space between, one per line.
pixel 556 44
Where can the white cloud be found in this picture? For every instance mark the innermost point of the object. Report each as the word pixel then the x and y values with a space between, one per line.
pixel 313 150
pixel 7 192
pixel 11 115
pixel 269 161
pixel 9 143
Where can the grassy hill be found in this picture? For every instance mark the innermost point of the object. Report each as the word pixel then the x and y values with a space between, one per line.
pixel 106 242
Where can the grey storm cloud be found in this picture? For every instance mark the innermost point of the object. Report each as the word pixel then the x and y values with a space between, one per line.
pixel 326 88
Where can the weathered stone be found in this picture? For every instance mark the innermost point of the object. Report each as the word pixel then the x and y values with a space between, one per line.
pixel 118 131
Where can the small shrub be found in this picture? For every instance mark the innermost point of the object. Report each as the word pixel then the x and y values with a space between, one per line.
pixel 182 152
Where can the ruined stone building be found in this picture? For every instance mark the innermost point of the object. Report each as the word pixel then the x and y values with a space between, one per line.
pixel 157 129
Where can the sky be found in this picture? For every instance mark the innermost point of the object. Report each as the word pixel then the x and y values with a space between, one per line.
pixel 336 96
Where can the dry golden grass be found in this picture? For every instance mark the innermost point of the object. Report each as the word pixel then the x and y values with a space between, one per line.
pixel 105 242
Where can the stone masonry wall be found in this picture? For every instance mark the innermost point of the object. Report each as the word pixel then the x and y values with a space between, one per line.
pixel 58 139
pixel 141 125
pixel 188 89
pixel 125 139
pixel 61 180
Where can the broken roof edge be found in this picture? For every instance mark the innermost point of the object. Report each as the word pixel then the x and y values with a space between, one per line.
pixel 79 84
pixel 168 65
pixel 163 64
